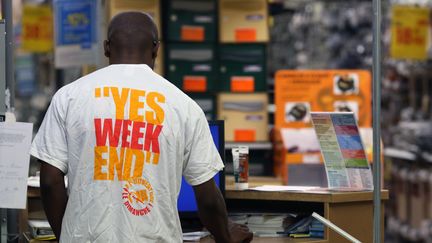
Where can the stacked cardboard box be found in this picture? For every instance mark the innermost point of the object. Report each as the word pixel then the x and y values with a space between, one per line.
pixel 152 7
pixel 191 58
pixel 243 27
pixel 192 21
pixel 192 67
pixel 245 115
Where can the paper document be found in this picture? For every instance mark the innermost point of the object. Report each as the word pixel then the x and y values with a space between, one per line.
pixel 343 151
pixel 195 236
pixel 269 188
pixel 38 223
pixel 15 141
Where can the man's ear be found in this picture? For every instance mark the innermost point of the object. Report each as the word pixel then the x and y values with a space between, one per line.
pixel 155 50
pixel 107 51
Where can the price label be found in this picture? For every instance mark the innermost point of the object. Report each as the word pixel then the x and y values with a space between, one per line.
pixel 37 27
pixel 409 32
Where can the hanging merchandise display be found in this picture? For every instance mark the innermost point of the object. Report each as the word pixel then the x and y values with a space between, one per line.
pixel 37 28
pixel 410 30
pixel 406 108
pixel 76 35
pixel 322 35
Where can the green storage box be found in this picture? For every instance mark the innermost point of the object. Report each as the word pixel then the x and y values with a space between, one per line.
pixel 243 67
pixel 192 67
pixel 192 20
pixel 207 103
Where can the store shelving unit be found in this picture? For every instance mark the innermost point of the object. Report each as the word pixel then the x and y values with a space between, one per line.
pixel 392 152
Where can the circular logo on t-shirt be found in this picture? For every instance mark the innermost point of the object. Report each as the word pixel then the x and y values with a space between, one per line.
pixel 138 196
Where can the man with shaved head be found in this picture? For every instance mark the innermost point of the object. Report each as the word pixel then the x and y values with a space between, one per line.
pixel 125 136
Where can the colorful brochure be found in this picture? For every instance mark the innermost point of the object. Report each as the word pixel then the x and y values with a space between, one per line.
pixel 342 149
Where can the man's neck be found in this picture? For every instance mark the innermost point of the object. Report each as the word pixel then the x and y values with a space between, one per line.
pixel 133 63
pixel 131 60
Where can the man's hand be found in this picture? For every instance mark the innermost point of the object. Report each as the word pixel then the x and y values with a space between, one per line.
pixel 239 233
pixel 213 215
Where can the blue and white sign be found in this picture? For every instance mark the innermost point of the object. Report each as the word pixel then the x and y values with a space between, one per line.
pixel 76 32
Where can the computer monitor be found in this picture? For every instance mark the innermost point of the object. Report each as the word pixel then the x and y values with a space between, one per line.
pixel 186 203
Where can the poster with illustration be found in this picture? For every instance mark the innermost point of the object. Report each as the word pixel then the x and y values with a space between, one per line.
pixel 297 91
pixel 297 112
pixel 76 32
pixel 346 84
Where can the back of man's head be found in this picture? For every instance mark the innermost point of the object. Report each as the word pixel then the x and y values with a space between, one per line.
pixel 132 38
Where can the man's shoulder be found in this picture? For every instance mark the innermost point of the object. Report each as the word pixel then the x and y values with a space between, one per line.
pixel 180 96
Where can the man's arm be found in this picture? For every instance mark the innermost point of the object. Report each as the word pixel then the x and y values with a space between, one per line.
pixel 213 214
pixel 54 195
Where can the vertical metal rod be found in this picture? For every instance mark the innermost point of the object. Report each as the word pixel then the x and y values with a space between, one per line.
pixel 376 118
pixel 10 80
pixel 7 14
pixel 2 67
pixel 2 110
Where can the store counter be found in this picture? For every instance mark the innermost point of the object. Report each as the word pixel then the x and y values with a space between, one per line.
pixel 351 211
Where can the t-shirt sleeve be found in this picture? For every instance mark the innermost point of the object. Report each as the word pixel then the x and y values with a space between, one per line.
pixel 203 161
pixel 50 144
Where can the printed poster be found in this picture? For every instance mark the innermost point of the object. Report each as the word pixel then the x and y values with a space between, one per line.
pixel 342 148
pixel 37 28
pixel 409 32
pixel 76 33
pixel 298 92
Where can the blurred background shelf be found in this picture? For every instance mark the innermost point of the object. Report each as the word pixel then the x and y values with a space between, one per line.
pixel 252 145
pixel 399 154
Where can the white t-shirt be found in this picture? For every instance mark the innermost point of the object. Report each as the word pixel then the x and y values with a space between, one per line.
pixel 125 136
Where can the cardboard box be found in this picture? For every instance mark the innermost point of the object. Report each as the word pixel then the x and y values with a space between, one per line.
pixel 245 115
pixel 191 67
pixel 243 67
pixel 152 7
pixel 192 20
pixel 243 21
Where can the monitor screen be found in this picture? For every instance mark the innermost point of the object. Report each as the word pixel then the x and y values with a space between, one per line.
pixel 186 201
